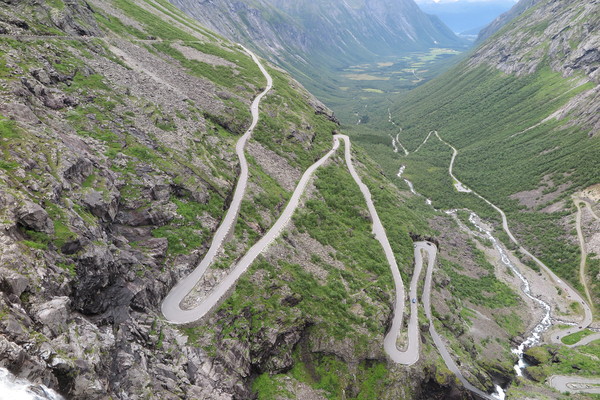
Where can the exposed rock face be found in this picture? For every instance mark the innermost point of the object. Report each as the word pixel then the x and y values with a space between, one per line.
pixel 540 32
pixel 32 216
pixel 564 35
pixel 53 314
pixel 117 164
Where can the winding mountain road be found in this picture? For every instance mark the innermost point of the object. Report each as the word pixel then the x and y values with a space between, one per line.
pixel 431 251
pixel 575 384
pixel 171 306
pixel 410 355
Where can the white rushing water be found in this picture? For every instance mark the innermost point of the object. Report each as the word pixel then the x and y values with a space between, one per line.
pixel 410 186
pixel 394 144
pixel 546 321
pixel 499 394
pixel 402 168
pixel 13 388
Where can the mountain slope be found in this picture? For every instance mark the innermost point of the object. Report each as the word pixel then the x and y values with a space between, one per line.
pixel 506 17
pixel 524 113
pixel 117 125
pixel 310 38
pixel 118 128
pixel 118 122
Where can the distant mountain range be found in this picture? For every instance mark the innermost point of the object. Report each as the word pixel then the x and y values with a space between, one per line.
pixel 323 35
pixel 466 16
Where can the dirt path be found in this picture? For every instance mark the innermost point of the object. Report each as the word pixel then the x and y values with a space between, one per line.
pixel 564 286
pixel 582 246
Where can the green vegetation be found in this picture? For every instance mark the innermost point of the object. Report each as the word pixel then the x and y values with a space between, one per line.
pixel 284 112
pixel 330 376
pixel 71 268
pixel 219 74
pixel 593 266
pixel 268 387
pixel 576 337
pixel 560 360
pixel 35 245
pixel 511 323
pixel 485 290
pixel 363 90
pixel 8 129
pixel 155 26
pixel 343 203
pixel 186 232
pixel 464 106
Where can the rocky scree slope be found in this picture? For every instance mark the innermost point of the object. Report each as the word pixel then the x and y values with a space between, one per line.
pixel 117 128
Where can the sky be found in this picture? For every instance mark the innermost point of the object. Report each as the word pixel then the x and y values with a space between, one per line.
pixel 466 16
pixel 464 1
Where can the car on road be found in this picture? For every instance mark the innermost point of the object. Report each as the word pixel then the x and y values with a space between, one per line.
pixel 414 300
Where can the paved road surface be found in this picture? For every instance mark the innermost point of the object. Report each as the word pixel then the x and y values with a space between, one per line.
pixel 171 304
pixel 431 251
pixel 410 355
pixel 575 384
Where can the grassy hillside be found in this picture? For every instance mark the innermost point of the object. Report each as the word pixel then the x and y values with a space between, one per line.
pixel 513 148
pixel 118 122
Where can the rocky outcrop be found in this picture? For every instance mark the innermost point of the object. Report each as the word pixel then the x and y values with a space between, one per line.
pixel 561 34
pixel 116 166
pixel 562 31
pixel 34 217
pixel 74 18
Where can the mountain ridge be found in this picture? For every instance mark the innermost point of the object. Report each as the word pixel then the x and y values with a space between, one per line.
pixel 322 36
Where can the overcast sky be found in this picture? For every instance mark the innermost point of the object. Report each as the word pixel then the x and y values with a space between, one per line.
pixel 468 1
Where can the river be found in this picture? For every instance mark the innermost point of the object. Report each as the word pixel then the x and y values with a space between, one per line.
pixel 13 388
pixel 536 334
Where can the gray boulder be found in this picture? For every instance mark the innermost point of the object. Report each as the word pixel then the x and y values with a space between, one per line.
pixel 104 206
pixel 53 314
pixel 34 217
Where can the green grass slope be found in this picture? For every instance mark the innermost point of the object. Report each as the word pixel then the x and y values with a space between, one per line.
pixel 522 123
